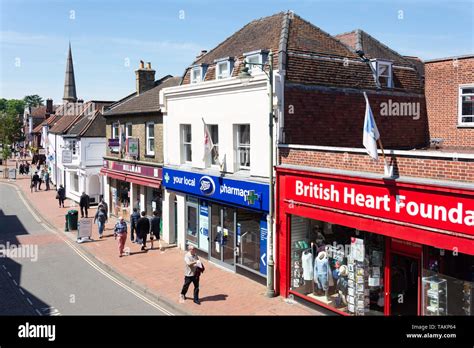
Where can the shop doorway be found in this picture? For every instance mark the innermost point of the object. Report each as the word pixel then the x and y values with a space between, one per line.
pixel 404 284
pixel 222 238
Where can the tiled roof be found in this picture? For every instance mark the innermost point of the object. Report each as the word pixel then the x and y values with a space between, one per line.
pixel 309 55
pixel 38 111
pixel 39 127
pixel 88 126
pixel 63 124
pixel 145 102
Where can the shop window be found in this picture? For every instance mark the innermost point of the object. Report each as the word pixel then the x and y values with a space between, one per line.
pixel 150 139
pixel 74 182
pixel 186 145
pixel 466 105
pixel 243 146
pixel 248 239
pixel 337 266
pixel 153 200
pixel 447 283
pixel 192 221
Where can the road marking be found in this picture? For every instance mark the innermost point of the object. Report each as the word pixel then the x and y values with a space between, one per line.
pixel 4 267
pixel 95 266
pixel 22 292
pixel 39 313
pixel 14 282
pixel 29 301
pixel 28 206
pixel 9 274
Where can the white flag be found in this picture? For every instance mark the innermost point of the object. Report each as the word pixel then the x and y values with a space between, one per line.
pixel 208 145
pixel 371 133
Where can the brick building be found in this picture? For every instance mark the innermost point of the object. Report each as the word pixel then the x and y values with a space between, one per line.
pixel 133 162
pixel 450 96
pixel 350 238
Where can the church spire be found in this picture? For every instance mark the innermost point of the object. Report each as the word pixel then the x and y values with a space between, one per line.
pixel 69 81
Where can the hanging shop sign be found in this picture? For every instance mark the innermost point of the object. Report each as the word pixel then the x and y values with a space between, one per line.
pixel 67 156
pixel 421 206
pixel 218 188
pixel 123 167
pixel 132 147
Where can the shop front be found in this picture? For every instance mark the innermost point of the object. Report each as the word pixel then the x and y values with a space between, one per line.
pixel 132 186
pixel 362 246
pixel 226 219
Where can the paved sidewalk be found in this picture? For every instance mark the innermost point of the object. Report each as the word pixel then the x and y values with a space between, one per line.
pixel 161 272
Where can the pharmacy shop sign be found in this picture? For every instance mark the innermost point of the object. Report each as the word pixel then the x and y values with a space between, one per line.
pixel 248 194
pixel 441 209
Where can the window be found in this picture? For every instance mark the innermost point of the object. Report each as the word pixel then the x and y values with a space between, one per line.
pixel 187 154
pixel 243 146
pixel 72 145
pixel 150 139
pixel 214 132
pixel 222 70
pixel 115 131
pixel 74 182
pixel 383 71
pixel 466 105
pixel 196 75
pixel 128 130
pixel 254 59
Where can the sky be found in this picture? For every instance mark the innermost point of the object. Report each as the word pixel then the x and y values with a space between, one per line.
pixel 110 37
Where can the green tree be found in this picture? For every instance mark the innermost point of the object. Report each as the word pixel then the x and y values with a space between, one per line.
pixel 33 100
pixel 10 128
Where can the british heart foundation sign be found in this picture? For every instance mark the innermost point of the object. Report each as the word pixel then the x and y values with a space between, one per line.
pixel 441 210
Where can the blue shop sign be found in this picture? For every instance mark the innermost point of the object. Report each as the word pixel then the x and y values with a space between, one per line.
pixel 243 193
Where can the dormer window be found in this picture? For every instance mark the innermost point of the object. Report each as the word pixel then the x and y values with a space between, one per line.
pixel 255 60
pixel 196 74
pixel 224 68
pixel 383 71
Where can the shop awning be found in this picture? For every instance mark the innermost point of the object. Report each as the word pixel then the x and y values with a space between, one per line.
pixel 133 178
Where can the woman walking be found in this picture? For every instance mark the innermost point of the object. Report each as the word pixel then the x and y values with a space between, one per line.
pixel 120 231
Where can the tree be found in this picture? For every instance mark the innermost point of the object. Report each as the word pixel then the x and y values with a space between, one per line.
pixel 10 128
pixel 33 100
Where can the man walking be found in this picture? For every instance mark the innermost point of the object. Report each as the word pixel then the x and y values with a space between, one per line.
pixel 106 207
pixel 36 180
pixel 100 218
pixel 133 225
pixel 41 176
pixel 84 204
pixel 155 227
pixel 46 180
pixel 191 274
pixel 61 196
pixel 143 228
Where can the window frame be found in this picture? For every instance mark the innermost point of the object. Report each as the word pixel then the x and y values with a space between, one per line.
pixel 184 143
pixel 239 145
pixel 376 64
pixel 115 135
pixel 200 77
pixel 251 67
pixel 149 152
pixel 462 123
pixel 127 133
pixel 216 144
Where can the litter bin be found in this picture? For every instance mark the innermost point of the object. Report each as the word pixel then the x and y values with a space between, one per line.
pixel 71 220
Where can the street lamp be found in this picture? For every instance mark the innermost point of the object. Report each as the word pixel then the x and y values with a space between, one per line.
pixel 245 75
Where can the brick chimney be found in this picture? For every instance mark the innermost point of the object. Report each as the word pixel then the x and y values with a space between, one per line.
pixel 145 77
pixel 49 107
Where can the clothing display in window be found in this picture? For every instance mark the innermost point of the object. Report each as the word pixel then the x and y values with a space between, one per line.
pixel 307 263
pixel 321 271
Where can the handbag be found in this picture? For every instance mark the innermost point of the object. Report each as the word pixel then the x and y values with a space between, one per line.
pixel 57 195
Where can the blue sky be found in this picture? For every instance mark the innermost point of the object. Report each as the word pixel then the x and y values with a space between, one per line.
pixel 107 34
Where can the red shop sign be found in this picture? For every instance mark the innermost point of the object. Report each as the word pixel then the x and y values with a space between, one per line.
pixel 441 210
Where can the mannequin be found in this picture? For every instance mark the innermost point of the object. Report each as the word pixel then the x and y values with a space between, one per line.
pixel 321 273
pixel 307 264
pixel 342 285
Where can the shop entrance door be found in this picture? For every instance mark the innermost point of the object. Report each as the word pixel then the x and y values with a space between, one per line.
pixel 404 284
pixel 222 235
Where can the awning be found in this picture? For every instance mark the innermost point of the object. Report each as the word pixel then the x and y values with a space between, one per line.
pixel 133 178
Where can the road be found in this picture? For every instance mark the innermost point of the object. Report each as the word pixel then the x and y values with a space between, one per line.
pixel 46 274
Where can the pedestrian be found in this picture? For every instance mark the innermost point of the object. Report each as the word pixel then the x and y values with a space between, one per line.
pixel 22 169
pixel 192 272
pixel 133 225
pixel 120 230
pixel 61 195
pixel 143 228
pixel 36 180
pixel 105 205
pixel 100 219
pixel 46 180
pixel 84 204
pixel 27 168
pixel 155 227
pixel 41 176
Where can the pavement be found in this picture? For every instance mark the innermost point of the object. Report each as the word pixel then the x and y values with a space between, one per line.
pixel 44 275
pixel 159 273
